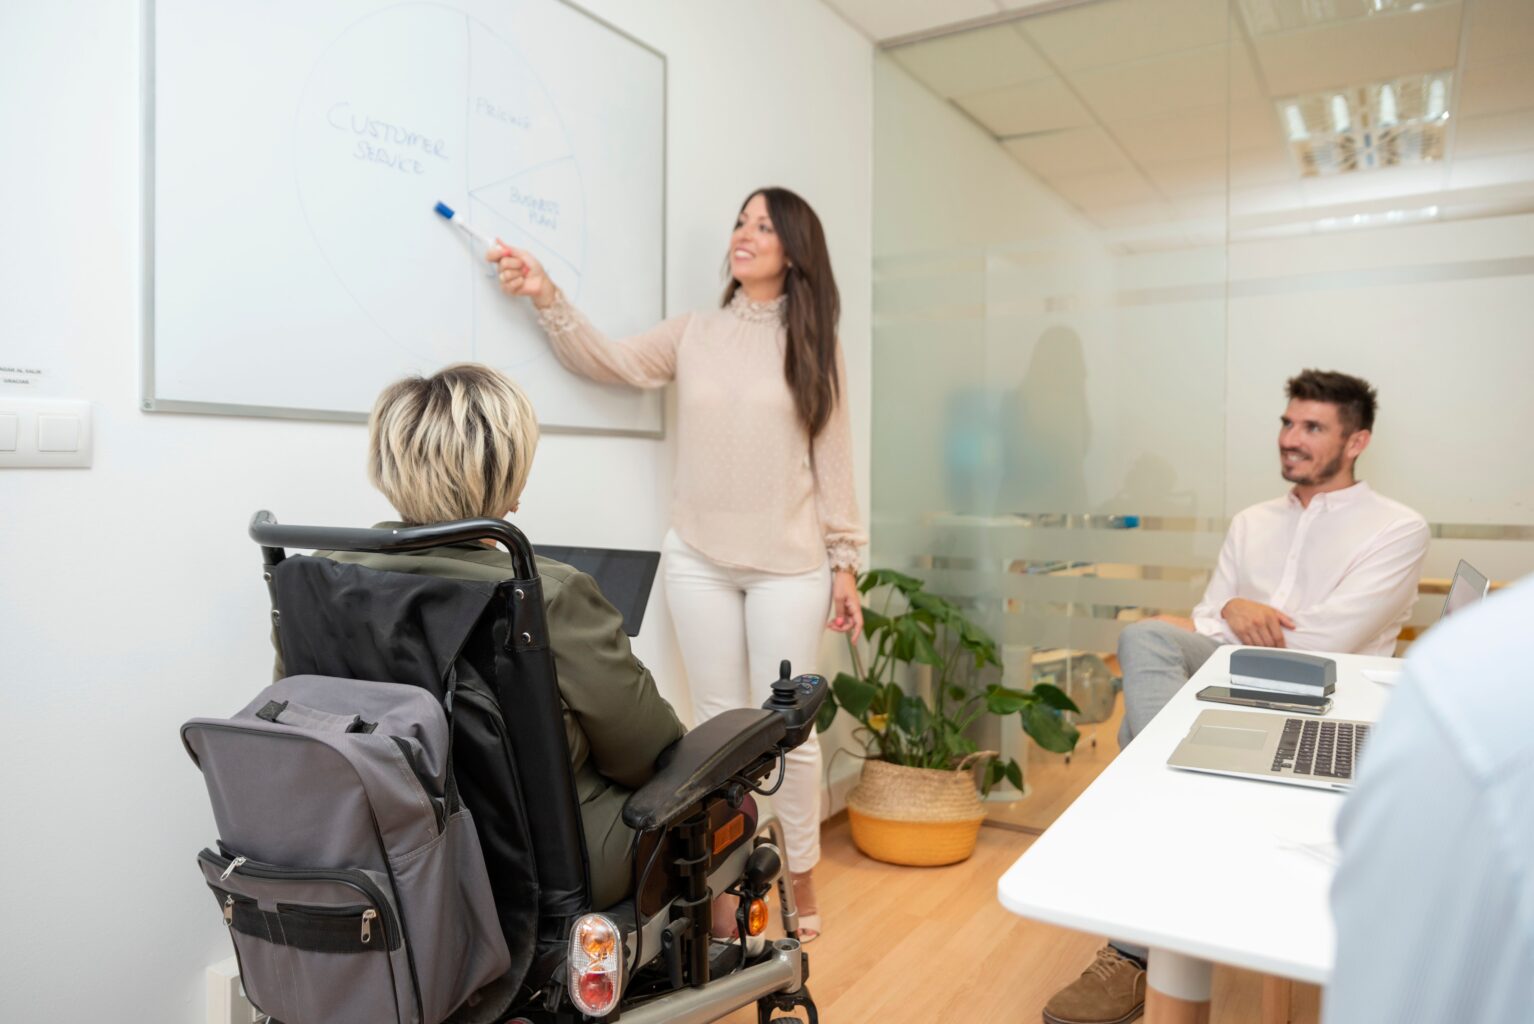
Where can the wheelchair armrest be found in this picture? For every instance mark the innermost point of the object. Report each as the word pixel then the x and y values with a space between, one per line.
pixel 700 762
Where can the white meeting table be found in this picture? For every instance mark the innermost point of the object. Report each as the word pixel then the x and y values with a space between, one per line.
pixel 1201 869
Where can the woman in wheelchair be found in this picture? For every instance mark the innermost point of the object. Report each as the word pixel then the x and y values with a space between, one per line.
pixel 458 445
pixel 676 830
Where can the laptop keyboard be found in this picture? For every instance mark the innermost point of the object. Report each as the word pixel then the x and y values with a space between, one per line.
pixel 1325 749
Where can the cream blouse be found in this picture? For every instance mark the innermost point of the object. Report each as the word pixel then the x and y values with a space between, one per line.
pixel 752 490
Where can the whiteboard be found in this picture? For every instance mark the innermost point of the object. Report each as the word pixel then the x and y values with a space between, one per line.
pixel 295 152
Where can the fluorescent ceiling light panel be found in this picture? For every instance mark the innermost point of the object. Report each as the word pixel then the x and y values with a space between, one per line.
pixel 1367 127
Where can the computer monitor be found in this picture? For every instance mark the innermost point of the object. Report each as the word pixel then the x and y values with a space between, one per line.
pixel 624 577
pixel 1466 588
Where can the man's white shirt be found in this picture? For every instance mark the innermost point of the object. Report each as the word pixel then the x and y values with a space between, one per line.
pixel 1344 569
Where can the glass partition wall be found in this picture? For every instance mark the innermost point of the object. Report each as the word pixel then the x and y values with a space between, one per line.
pixel 1107 234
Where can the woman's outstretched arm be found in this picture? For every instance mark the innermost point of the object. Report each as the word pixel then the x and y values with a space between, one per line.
pixel 644 360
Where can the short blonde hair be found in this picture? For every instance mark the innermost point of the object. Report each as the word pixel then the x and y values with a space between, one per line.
pixel 455 445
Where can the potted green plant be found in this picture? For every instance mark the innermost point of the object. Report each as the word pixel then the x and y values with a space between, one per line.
pixel 916 802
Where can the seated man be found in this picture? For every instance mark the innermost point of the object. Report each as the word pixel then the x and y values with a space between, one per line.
pixel 459 445
pixel 1331 566
pixel 1432 896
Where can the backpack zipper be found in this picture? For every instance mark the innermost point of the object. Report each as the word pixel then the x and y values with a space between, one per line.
pixel 356 879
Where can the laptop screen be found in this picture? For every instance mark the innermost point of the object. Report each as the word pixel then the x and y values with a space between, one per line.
pixel 625 577
pixel 1466 588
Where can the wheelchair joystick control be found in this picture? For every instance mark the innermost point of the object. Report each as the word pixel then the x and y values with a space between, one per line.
pixel 785 690
pixel 798 700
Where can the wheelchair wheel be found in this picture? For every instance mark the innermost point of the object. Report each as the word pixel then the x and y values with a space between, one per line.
pixel 787 1002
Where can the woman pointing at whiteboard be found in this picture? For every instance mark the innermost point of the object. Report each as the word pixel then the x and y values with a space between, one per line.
pixel 765 527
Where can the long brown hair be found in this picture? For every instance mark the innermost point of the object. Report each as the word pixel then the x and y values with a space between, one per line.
pixel 811 306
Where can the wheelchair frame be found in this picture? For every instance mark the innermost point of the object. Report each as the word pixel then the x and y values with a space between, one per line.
pixel 675 938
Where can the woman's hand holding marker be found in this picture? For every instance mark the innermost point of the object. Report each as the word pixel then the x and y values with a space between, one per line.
pixel 522 274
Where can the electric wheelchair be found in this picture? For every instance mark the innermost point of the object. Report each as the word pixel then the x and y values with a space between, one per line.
pixel 481 649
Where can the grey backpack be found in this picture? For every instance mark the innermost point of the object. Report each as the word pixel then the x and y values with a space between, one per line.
pixel 348 873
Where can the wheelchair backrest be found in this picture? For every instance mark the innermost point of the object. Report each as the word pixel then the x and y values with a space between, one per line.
pixel 481 648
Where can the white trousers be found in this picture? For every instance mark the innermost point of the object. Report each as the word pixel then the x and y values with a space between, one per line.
pixel 734 626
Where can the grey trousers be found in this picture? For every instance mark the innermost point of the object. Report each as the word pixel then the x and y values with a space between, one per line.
pixel 1157 659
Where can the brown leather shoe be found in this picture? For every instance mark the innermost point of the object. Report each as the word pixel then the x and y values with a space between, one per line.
pixel 1110 991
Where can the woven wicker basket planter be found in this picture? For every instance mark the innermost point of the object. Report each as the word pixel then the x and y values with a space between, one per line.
pixel 920 817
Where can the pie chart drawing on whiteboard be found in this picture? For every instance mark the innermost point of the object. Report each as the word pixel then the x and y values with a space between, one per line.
pixel 420 103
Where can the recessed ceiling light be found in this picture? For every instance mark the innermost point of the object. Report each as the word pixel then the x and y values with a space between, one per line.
pixel 1365 127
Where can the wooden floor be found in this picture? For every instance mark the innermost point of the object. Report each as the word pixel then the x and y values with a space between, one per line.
pixel 1055 780
pixel 923 945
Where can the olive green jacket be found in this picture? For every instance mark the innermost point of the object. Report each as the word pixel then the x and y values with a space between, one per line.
pixel 616 721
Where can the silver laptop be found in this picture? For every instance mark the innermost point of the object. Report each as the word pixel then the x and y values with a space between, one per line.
pixel 1466 588
pixel 1302 751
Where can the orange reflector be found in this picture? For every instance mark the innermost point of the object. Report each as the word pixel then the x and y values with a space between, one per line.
pixel 756 917
pixel 728 833
pixel 597 937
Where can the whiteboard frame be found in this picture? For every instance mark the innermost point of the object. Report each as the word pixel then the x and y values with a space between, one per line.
pixel 148 402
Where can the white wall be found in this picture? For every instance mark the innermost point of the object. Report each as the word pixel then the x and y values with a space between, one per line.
pixel 131 597
pixel 1437 317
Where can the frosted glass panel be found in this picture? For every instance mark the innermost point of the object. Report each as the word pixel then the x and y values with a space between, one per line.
pixel 1105 236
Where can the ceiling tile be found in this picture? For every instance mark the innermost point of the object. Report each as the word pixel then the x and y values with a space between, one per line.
pixel 1042 106
pixel 1201 208
pixel 1114 31
pixel 1022 5
pixel 1158 86
pixel 972 62
pixel 1506 169
pixel 1110 188
pixel 1185 178
pixel 1497 88
pixel 1242 75
pixel 1133 215
pixel 887 19
pixel 1254 167
pixel 1254 124
pixel 1246 202
pixel 1346 190
pixel 1356 52
pixel 1493 134
pixel 1071 151
pixel 1191 135
pixel 1500 29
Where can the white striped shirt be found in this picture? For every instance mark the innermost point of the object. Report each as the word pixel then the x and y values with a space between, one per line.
pixel 1434 895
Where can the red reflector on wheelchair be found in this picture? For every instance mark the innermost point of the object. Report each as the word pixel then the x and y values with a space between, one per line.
pixel 728 833
pixel 597 990
pixel 596 964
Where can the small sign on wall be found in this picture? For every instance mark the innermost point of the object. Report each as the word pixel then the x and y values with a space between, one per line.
pixel 14 375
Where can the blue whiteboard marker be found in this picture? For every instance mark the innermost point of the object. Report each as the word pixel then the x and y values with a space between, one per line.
pixel 446 213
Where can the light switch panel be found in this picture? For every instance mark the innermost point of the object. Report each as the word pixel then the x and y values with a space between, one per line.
pixel 57 433
pixel 44 433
